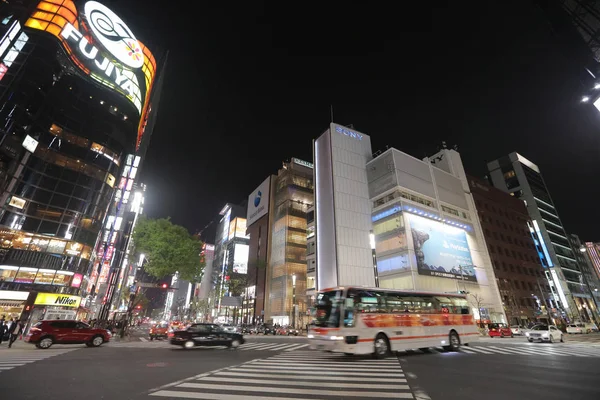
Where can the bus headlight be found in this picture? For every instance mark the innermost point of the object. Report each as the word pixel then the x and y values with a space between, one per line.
pixel 311 336
pixel 336 337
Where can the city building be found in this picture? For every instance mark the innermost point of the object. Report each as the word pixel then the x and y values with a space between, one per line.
pixel 587 310
pixel 230 263
pixel 522 178
pixel 517 266
pixel 394 221
pixel 277 213
pixel 77 119
pixel 311 258
pixel 260 203
pixel 593 250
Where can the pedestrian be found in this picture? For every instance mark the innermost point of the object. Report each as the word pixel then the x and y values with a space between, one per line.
pixel 2 328
pixel 15 330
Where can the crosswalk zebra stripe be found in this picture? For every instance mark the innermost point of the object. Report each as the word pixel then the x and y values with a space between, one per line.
pixel 16 357
pixel 309 372
pixel 344 385
pixel 299 346
pixel 302 391
pixel 313 378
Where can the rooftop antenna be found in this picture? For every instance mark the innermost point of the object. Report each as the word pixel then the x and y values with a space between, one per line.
pixel 331 109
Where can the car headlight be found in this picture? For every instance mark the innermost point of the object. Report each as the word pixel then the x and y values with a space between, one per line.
pixel 526 333
pixel 545 334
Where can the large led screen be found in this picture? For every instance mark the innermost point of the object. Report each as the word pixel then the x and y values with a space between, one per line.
pixel 240 258
pixel 441 250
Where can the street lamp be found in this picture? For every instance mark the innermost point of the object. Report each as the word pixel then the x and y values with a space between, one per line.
pixel 294 301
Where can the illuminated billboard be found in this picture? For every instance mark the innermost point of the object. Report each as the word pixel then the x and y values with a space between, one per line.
pixel 441 250
pixel 240 258
pixel 258 202
pixel 237 228
pixel 103 47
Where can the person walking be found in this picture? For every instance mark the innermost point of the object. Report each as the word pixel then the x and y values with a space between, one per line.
pixel 2 328
pixel 15 330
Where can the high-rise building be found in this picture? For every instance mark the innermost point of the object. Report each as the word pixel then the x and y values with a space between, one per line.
pixel 277 216
pixel 395 221
pixel 523 179
pixel 594 254
pixel 517 266
pixel 77 113
pixel 259 224
pixel 591 282
pixel 230 264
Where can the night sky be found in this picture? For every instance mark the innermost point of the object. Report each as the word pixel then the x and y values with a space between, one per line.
pixel 250 86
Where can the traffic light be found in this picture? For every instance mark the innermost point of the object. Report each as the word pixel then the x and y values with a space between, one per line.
pixel 164 286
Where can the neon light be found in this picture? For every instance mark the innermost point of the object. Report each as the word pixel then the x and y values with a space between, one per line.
pixel 385 213
pixel 542 244
pixel 349 133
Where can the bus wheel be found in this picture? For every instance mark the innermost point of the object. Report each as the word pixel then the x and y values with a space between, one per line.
pixel 381 346
pixel 454 342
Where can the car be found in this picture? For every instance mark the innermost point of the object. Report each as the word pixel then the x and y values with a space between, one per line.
pixel 497 329
pixel 519 330
pixel 48 332
pixel 591 327
pixel 158 331
pixel 544 333
pixel 229 328
pixel 206 335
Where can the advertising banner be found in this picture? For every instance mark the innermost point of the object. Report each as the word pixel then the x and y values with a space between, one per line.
pixel 57 299
pixel 441 250
pixel 258 202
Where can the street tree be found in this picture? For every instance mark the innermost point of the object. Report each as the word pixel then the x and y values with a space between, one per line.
pixel 168 248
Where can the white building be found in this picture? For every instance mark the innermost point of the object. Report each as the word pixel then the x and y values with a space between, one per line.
pixel 395 221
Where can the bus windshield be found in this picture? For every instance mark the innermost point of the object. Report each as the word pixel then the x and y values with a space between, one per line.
pixel 327 309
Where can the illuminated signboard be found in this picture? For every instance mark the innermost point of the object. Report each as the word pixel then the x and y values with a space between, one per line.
pixel 441 250
pixel 103 47
pixel 348 133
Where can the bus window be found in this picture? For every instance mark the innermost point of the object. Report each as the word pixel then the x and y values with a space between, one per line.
pixel 462 305
pixel 368 301
pixel 445 305
pixel 327 309
pixel 408 303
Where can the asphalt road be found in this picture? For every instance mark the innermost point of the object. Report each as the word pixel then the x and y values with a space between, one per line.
pixel 490 370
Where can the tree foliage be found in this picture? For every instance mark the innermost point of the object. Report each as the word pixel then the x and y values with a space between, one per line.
pixel 140 298
pixel 168 248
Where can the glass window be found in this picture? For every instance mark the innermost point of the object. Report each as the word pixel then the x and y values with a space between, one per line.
pixel 26 275
pixel 8 273
pixel 45 276
pixel 48 228
pixel 62 278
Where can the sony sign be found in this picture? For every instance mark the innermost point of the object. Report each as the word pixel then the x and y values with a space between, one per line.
pixel 349 133
pixel 124 79
pixel 258 202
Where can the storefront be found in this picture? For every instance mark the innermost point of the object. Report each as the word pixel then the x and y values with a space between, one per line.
pixel 12 303
pixel 55 306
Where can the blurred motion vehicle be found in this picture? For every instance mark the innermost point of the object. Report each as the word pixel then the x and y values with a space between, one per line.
pixel 206 335
pixel 46 333
pixel 158 331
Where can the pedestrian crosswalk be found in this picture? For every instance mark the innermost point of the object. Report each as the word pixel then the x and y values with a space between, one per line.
pixel 527 350
pixel 297 375
pixel 13 358
pixel 257 346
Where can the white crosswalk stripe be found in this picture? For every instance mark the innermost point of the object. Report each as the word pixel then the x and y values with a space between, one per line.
pixel 539 350
pixel 13 358
pixel 248 346
pixel 296 375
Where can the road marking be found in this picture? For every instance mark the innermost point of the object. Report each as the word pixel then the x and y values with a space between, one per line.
pixel 13 358
pixel 143 339
pixel 324 377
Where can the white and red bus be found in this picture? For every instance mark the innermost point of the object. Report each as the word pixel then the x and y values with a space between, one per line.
pixel 358 320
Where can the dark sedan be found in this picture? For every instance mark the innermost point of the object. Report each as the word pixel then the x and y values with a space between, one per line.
pixel 206 335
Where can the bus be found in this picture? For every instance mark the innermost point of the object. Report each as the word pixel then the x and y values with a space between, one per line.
pixel 358 320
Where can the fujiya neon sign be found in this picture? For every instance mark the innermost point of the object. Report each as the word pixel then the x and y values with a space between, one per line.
pixel 116 37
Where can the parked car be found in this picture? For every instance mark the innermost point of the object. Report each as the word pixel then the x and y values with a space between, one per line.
pixel 544 333
pixel 46 333
pixel 158 331
pixel 519 330
pixel 501 330
pixel 206 335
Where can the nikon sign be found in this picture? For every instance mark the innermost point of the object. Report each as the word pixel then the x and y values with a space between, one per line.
pixel 57 299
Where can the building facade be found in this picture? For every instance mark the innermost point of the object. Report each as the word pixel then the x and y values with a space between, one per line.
pixel 587 310
pixel 519 272
pixel 517 175
pixel 76 118
pixel 593 250
pixel 427 235
pixel 259 224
